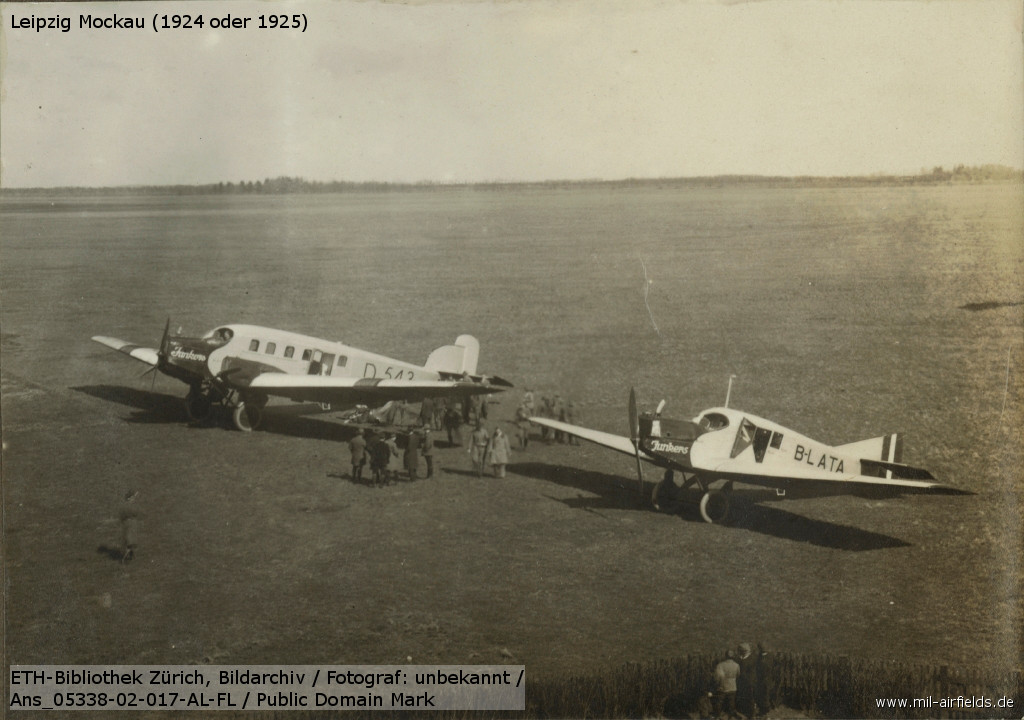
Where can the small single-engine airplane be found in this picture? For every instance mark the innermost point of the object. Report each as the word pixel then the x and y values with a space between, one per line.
pixel 241 366
pixel 733 446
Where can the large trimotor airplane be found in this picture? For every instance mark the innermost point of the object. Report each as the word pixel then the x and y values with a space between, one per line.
pixel 728 445
pixel 241 366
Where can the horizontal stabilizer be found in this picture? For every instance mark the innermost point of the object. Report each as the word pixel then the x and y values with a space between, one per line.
pixel 459 358
pixel 880 469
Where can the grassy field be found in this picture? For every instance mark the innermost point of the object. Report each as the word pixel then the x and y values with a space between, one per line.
pixel 841 312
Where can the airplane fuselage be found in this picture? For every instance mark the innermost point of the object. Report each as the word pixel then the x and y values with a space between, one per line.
pixel 720 434
pixel 246 351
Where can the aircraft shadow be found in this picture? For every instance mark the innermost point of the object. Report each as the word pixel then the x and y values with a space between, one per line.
pixel 747 511
pixel 111 553
pixel 150 407
pixel 162 408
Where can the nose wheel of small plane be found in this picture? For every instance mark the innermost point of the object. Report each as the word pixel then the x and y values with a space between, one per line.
pixel 714 506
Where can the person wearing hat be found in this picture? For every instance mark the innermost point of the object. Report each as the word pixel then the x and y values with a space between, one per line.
pixel 499 452
pixel 427 450
pixel 357 448
pixel 747 680
pixel 477 450
pixel 129 516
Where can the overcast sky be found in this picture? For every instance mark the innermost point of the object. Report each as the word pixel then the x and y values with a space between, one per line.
pixel 479 91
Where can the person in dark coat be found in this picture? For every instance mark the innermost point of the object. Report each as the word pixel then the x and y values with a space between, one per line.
pixel 427 450
pixel 412 455
pixel 452 423
pixel 747 680
pixel 357 449
pixel 764 689
pixel 426 412
pixel 380 454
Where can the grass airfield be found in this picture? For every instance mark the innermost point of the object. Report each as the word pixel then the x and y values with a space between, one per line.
pixel 841 311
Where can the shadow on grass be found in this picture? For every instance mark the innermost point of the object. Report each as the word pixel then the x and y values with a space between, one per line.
pixel 747 513
pixel 162 408
pixel 116 554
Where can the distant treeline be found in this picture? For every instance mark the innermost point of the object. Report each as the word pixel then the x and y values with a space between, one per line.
pixel 294 186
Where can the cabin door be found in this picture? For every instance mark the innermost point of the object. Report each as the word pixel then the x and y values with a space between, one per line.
pixel 320 363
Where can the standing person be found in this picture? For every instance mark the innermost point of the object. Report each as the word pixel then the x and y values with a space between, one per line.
pixel 570 417
pixel 427 450
pixel 394 459
pixel 500 452
pixel 528 401
pixel 523 426
pixel 478 448
pixel 129 517
pixel 412 454
pixel 357 449
pixel 545 412
pixel 764 688
pixel 726 673
pixel 558 413
pixel 379 456
pixel 452 423
pixel 426 412
pixel 747 680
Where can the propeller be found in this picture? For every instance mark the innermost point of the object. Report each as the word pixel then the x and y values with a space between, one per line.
pixel 161 355
pixel 634 435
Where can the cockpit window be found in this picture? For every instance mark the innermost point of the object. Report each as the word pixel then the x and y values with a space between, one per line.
pixel 220 336
pixel 714 421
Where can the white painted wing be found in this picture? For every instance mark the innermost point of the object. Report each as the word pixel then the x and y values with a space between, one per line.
pixel 143 354
pixel 615 442
pixel 362 391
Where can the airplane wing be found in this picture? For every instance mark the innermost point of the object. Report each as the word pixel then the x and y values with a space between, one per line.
pixel 615 442
pixel 362 391
pixel 150 356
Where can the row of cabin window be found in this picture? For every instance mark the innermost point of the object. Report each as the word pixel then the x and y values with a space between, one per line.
pixel 254 346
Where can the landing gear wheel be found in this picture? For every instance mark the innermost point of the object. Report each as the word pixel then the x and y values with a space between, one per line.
pixel 665 497
pixel 197 405
pixel 247 417
pixel 714 507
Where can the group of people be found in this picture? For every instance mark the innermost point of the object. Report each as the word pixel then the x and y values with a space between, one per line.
pixel 491 449
pixel 554 408
pixel 486 449
pixel 743 683
pixel 386 461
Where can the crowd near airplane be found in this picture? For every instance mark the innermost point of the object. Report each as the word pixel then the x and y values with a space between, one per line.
pixel 241 366
pixel 726 445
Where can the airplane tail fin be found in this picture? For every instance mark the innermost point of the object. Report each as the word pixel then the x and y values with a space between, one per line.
pixel 458 358
pixel 882 457
pixel 887 448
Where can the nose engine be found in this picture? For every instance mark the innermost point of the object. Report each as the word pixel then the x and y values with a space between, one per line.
pixel 185 358
pixel 669 440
